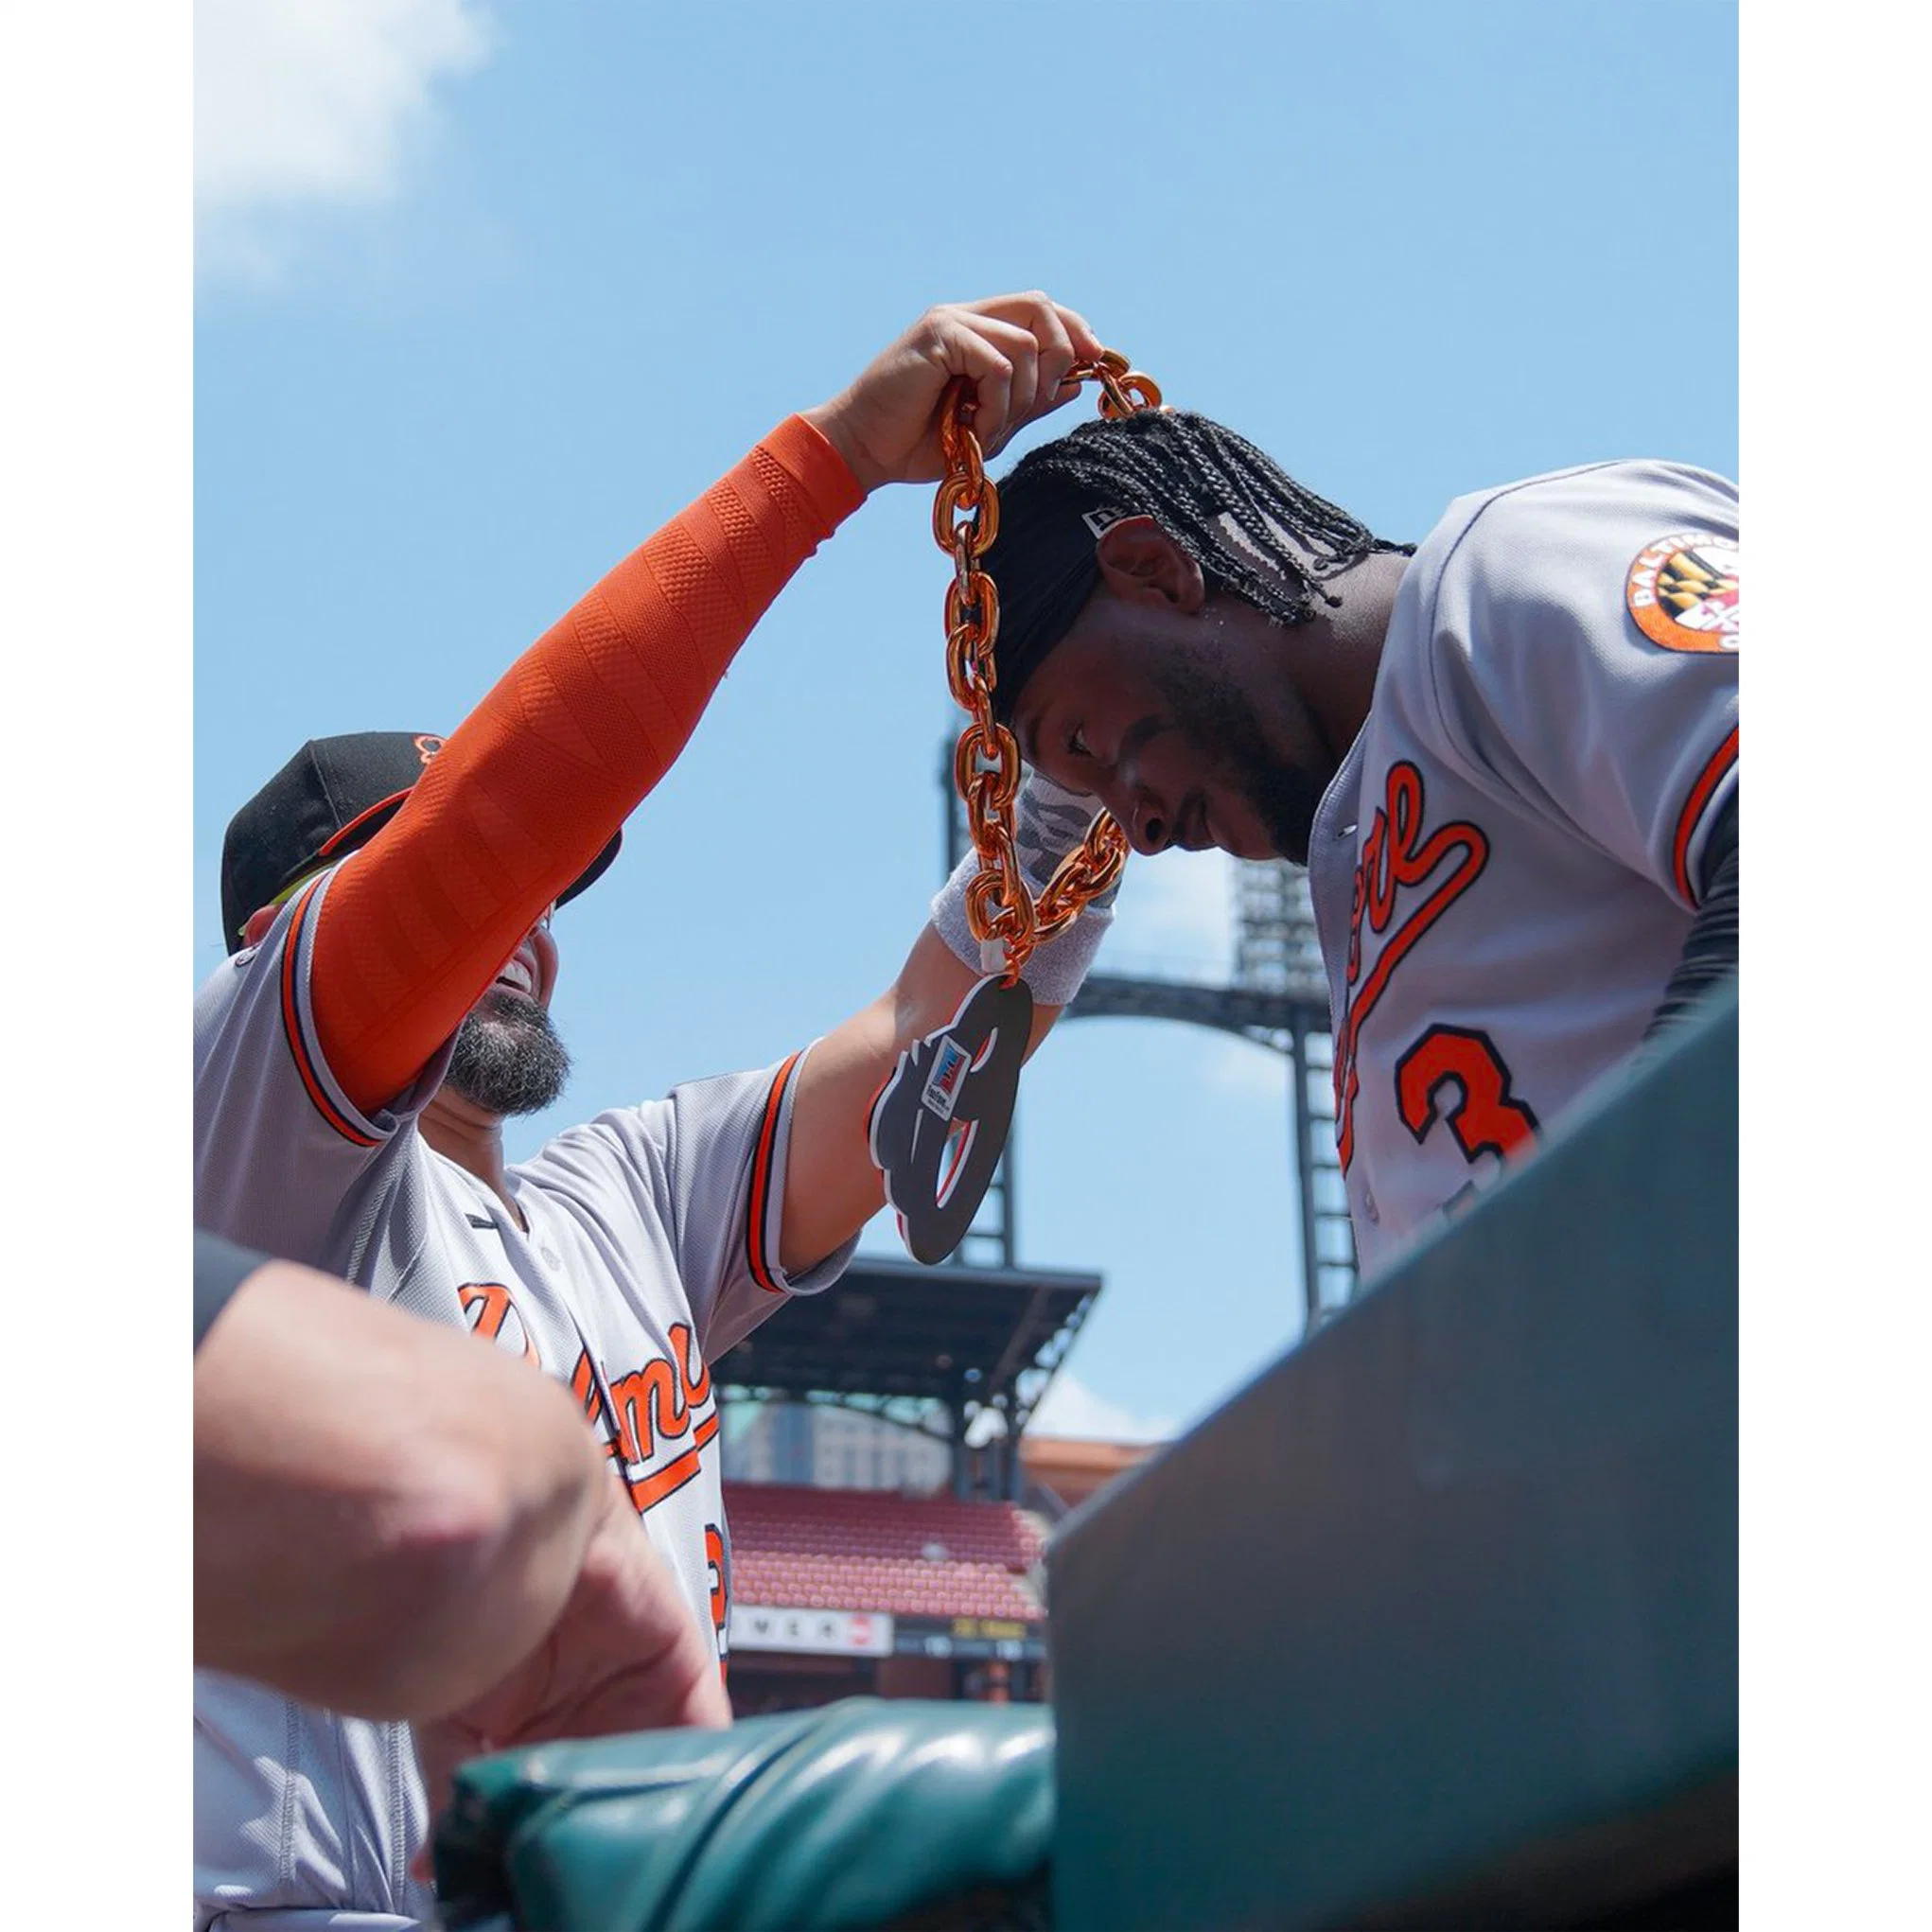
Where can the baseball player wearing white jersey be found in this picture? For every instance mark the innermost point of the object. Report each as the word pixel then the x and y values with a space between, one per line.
pixel 387 899
pixel 1507 757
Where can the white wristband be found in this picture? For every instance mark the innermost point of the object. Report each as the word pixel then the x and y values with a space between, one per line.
pixel 1048 821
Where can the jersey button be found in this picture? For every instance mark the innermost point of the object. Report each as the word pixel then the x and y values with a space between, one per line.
pixel 1369 1207
pixel 549 1254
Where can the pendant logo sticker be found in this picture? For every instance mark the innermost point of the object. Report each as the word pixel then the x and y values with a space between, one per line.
pixel 942 1090
pixel 1682 593
pixel 939 1123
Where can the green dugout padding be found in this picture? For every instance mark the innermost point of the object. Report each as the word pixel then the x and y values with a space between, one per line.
pixel 863 1814
pixel 1437 1622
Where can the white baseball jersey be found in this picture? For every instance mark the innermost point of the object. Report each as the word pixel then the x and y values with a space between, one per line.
pixel 1505 867
pixel 652 1247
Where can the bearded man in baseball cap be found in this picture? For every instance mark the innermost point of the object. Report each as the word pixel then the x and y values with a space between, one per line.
pixel 387 900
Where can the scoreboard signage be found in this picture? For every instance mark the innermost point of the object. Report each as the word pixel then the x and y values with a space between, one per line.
pixel 967 1636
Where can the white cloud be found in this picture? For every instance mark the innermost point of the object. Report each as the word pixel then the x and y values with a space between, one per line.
pixel 306 102
pixel 1072 1408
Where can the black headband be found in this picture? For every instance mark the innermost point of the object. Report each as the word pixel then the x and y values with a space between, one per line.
pixel 1044 567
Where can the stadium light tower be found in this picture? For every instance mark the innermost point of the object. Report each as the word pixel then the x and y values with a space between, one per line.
pixel 1279 998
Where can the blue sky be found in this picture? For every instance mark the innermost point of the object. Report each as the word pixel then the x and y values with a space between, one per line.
pixel 487 291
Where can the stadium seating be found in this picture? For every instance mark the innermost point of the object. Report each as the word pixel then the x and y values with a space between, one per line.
pixel 871 1550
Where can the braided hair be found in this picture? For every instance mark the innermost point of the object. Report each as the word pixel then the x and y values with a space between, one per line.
pixel 1226 505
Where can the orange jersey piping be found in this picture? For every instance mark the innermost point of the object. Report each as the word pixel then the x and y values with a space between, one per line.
pixel 1709 780
pixel 291 1026
pixel 758 1256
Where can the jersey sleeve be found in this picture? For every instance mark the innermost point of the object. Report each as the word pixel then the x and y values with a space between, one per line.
pixel 708 1164
pixel 283 1157
pixel 1582 654
pixel 572 737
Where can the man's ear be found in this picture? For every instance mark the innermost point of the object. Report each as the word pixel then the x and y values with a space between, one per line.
pixel 1141 563
pixel 259 920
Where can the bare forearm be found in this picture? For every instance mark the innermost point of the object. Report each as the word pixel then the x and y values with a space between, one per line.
pixel 389 1514
pixel 831 1186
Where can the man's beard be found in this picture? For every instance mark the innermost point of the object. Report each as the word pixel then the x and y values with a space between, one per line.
pixel 507 1059
pixel 1219 724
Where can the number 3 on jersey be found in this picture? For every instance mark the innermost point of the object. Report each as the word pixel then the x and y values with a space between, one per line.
pixel 716 1568
pixel 1487 1118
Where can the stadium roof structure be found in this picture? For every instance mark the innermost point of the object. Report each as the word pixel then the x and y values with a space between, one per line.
pixel 892 1329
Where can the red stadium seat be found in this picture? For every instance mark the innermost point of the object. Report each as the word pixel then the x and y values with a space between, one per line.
pixel 867 1550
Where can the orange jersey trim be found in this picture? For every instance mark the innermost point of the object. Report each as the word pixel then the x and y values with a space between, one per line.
pixel 291 1026
pixel 648 1491
pixel 758 1256
pixel 1709 780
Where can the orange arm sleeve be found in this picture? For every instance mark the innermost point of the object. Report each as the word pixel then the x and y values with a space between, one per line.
pixel 532 784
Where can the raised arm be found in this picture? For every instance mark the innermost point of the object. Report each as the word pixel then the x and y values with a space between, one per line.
pixel 529 789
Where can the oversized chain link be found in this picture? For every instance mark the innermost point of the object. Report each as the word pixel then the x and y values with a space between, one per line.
pixel 986 762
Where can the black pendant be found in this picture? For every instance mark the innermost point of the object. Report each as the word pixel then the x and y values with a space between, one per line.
pixel 939 1123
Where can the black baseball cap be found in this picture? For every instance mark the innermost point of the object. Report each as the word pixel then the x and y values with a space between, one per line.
pixel 334 795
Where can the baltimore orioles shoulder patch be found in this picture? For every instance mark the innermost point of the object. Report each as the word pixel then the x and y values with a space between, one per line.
pixel 1682 592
